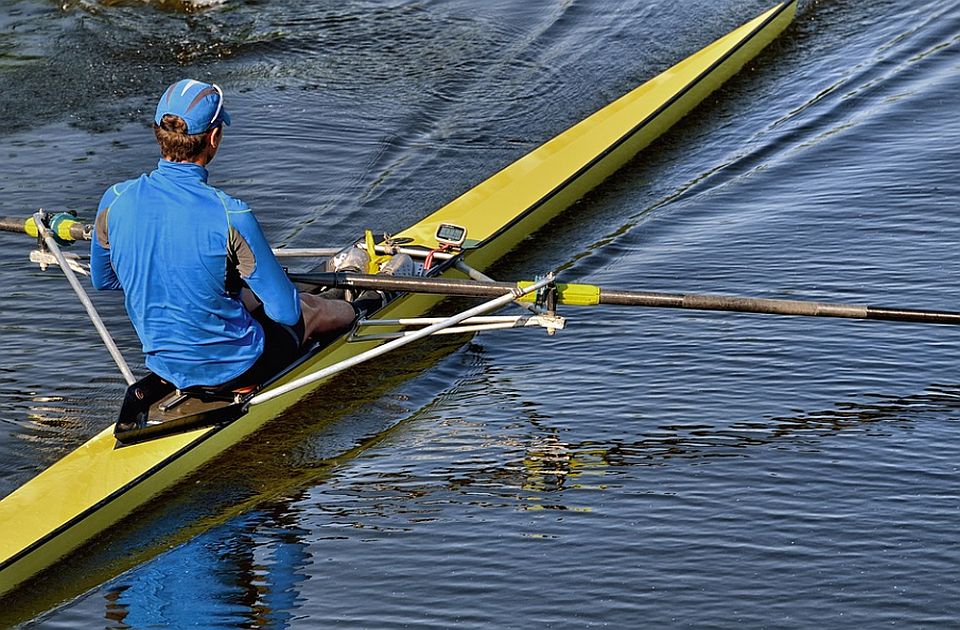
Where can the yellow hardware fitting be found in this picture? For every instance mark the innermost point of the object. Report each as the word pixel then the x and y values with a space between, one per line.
pixel 578 294
pixel 63 229
pixel 375 261
pixel 569 294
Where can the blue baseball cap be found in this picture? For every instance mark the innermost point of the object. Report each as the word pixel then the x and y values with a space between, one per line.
pixel 199 104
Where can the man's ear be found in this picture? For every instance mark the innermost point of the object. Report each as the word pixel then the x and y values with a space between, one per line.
pixel 215 136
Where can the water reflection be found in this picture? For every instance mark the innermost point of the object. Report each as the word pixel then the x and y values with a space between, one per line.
pixel 252 578
pixel 530 466
pixel 704 441
pixel 548 464
pixel 382 496
pixel 249 561
pixel 269 472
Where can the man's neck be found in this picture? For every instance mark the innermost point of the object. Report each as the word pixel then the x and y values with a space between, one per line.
pixel 201 161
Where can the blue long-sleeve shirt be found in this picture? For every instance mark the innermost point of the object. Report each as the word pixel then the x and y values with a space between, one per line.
pixel 177 247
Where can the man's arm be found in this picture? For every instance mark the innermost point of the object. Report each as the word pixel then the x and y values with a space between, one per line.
pixel 260 268
pixel 102 273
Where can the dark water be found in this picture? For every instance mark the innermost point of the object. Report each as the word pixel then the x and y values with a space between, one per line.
pixel 642 468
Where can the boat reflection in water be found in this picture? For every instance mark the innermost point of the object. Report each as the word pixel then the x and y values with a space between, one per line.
pixel 251 568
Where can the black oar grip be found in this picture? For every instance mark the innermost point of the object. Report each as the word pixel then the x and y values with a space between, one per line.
pixel 922 316
pixel 769 306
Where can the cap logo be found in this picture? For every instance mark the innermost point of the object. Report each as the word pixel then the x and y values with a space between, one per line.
pixel 189 85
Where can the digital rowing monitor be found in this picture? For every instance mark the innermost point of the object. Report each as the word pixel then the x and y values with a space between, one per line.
pixel 452 235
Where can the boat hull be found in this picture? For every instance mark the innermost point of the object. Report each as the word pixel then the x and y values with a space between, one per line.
pixel 100 483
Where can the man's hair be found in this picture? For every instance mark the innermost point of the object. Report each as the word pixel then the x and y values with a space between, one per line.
pixel 175 143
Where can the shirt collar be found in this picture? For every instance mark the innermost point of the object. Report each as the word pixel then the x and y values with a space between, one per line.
pixel 187 170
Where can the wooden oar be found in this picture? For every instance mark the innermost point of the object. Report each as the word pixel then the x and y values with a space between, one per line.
pixel 586 295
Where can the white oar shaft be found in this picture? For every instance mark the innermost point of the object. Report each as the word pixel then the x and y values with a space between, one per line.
pixel 306 252
pixel 472 325
pixel 426 321
pixel 336 368
pixel 326 252
pixel 84 299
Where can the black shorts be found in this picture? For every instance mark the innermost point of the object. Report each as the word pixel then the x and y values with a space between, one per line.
pixel 281 347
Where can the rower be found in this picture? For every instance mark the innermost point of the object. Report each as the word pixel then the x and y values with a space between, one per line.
pixel 208 299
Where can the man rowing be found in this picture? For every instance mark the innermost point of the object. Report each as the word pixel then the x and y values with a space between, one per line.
pixel 209 300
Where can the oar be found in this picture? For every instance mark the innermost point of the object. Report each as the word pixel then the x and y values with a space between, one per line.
pixel 68 228
pixel 587 295
pixel 65 225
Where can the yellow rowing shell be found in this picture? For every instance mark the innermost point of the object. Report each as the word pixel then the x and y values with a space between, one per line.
pixel 99 483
